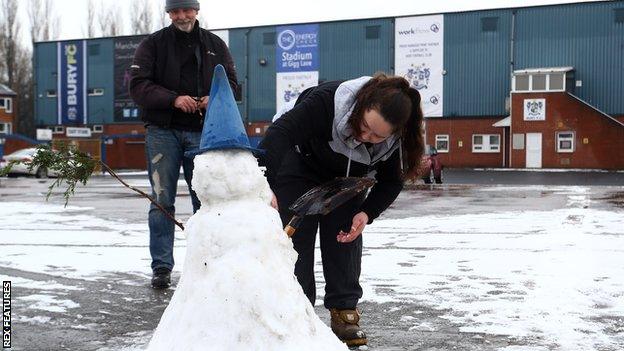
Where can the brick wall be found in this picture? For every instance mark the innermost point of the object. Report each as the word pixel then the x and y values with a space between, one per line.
pixel 599 141
pixel 460 131
pixel 9 117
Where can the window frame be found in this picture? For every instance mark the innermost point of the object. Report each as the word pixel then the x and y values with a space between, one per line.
pixel 443 137
pixel 485 147
pixel 7 128
pixel 7 104
pixel 571 139
pixel 547 89
pixel 95 92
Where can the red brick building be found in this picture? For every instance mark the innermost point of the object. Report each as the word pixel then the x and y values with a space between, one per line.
pixel 548 127
pixel 8 108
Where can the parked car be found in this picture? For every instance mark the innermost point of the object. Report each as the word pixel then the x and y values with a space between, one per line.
pixel 431 168
pixel 25 156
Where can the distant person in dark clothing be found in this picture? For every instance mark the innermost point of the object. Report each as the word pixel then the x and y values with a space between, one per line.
pixel 171 75
pixel 366 127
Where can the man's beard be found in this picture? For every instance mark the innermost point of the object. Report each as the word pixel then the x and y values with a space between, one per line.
pixel 185 26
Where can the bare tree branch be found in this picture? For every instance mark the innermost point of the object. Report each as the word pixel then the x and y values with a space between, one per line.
pixel 91 28
pixel 44 22
pixel 9 32
pixel 164 20
pixel 110 20
pixel 142 17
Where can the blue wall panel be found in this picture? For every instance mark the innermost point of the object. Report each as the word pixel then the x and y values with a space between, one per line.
pixel 346 52
pixel 583 36
pixel 477 64
pixel 45 62
pixel 101 68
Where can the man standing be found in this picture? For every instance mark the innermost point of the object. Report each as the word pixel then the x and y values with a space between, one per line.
pixel 171 75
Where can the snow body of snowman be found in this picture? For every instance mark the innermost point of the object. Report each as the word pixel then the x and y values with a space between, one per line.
pixel 237 290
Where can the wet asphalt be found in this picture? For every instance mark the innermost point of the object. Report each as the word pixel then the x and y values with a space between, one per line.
pixel 106 320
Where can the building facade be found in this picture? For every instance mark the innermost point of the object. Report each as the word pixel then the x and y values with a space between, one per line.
pixel 7 109
pixel 536 87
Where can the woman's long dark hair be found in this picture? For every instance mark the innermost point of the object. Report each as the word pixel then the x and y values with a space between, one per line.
pixel 399 105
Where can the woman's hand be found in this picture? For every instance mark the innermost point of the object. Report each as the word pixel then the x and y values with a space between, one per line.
pixel 357 226
pixel 274 201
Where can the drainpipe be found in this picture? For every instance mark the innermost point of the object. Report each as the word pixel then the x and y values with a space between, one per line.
pixel 246 80
pixel 511 69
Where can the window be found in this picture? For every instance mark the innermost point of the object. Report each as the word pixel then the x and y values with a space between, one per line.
pixel 95 91
pixel 94 49
pixel 565 141
pixel 556 81
pixel 518 141
pixel 539 82
pixel 6 103
pixel 522 83
pixel 618 15
pixel 489 24
pixel 51 93
pixel 486 143
pixel 372 32
pixel 58 130
pixel 5 128
pixel 442 142
pixel 98 128
pixel 268 38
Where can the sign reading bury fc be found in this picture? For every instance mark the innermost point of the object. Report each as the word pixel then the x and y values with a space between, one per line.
pixel 72 79
pixel 297 48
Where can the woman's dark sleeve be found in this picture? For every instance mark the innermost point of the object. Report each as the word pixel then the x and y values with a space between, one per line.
pixel 385 191
pixel 311 117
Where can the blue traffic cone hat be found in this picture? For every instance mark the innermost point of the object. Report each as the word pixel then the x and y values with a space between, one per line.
pixel 223 125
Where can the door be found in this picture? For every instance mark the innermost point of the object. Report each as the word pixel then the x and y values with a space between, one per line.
pixel 534 150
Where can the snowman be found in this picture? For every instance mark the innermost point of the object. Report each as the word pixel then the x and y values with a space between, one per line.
pixel 237 290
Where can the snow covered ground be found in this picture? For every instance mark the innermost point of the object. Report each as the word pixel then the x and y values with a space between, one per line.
pixel 530 267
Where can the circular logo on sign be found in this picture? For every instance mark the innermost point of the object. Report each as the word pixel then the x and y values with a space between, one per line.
pixel 286 39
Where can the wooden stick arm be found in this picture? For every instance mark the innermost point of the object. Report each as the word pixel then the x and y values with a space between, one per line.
pixel 292 226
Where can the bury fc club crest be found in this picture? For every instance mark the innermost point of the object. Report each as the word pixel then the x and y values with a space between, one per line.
pixel 418 76
pixel 292 93
pixel 534 109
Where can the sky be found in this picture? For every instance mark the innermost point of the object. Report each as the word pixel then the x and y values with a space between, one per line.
pixel 233 14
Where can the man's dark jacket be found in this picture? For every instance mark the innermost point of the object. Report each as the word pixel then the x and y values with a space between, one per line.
pixel 155 72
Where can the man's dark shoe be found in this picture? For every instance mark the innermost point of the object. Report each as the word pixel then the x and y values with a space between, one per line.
pixel 161 279
pixel 345 324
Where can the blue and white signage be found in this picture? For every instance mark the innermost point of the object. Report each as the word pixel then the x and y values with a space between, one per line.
pixel 297 48
pixel 419 58
pixel 297 61
pixel 72 82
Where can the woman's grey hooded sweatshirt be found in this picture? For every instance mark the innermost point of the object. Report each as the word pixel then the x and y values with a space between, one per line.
pixel 314 141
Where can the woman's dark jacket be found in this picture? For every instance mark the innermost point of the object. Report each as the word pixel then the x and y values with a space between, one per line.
pixel 297 145
pixel 155 72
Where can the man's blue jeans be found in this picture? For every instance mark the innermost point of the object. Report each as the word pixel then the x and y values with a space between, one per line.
pixel 165 149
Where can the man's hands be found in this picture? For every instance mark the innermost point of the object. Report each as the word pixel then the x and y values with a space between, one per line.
pixel 203 103
pixel 357 226
pixel 190 105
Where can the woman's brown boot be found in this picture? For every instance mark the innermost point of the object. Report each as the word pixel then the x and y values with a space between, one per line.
pixel 344 323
